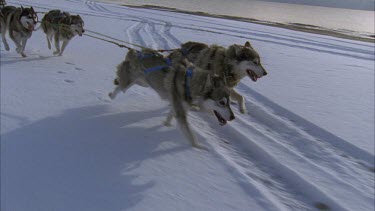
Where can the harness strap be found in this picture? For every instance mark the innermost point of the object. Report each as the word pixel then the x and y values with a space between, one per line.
pixel 142 56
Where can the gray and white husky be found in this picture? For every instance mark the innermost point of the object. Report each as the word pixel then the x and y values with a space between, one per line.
pixel 20 23
pixel 178 81
pixel 232 64
pixel 62 27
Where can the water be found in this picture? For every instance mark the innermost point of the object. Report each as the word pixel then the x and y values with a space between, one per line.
pixel 360 22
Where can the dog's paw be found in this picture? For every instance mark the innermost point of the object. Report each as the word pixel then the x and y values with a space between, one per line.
pixel 195 108
pixel 7 48
pixel 167 124
pixel 243 110
pixel 200 147
pixel 56 52
pixel 111 95
pixel 23 55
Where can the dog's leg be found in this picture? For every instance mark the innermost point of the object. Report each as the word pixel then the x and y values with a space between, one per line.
pixel 115 92
pixel 123 80
pixel 23 45
pixel 15 36
pixel 181 116
pixel 65 43
pixel 234 95
pixel 170 116
pixel 57 45
pixel 3 31
pixel 49 37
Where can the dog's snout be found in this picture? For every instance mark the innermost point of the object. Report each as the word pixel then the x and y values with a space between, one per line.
pixel 265 73
pixel 83 31
pixel 231 117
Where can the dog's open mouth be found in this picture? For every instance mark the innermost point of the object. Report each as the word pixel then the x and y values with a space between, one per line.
pixel 30 26
pixel 221 120
pixel 252 75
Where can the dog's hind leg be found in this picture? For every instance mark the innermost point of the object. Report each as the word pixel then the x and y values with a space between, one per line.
pixel 123 81
pixel 234 95
pixel 3 31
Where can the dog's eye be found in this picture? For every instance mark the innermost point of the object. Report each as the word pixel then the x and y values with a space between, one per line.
pixel 256 62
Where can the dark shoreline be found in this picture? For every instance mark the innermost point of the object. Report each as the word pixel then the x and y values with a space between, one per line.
pixel 292 26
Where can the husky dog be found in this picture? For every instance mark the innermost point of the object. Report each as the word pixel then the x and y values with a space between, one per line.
pixel 176 80
pixel 62 27
pixel 232 64
pixel 20 22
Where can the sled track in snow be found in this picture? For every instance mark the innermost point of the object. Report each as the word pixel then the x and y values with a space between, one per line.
pixel 260 157
pixel 317 134
pixel 254 171
pixel 162 38
pixel 298 160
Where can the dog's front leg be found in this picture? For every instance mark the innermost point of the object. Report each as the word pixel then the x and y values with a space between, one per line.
pixel 234 95
pixel 23 45
pixel 57 45
pixel 16 37
pixel 115 92
pixel 49 38
pixel 181 117
pixel 65 43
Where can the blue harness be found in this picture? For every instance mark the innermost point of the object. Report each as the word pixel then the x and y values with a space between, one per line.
pixel 189 71
pixel 142 56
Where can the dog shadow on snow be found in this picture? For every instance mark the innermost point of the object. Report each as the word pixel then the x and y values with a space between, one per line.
pixel 83 159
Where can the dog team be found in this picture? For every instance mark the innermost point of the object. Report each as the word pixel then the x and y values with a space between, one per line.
pixel 195 76
pixel 20 23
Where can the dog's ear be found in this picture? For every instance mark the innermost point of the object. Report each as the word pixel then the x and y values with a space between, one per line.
pixel 248 45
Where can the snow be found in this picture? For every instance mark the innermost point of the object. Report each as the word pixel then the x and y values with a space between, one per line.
pixel 308 139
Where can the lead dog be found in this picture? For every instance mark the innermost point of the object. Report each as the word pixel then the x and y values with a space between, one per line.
pixel 232 64
pixel 20 23
pixel 177 81
pixel 61 26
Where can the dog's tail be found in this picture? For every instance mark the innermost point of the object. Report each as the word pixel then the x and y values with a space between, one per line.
pixel 115 82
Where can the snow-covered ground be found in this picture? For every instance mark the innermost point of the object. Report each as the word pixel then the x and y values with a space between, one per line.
pixel 307 142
